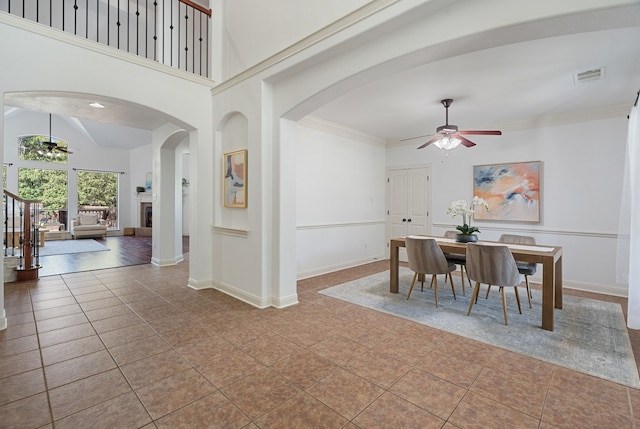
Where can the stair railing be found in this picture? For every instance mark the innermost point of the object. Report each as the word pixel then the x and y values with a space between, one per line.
pixel 21 234
pixel 172 32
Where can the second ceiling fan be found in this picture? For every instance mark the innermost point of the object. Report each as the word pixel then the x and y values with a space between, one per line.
pixel 449 137
pixel 51 145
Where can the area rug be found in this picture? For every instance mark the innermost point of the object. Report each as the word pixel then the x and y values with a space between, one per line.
pixel 589 336
pixel 64 247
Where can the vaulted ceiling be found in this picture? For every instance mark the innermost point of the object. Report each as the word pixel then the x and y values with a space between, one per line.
pixel 507 87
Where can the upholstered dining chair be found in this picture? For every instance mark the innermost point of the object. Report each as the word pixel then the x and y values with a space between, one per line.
pixel 425 257
pixel 492 265
pixel 457 258
pixel 525 268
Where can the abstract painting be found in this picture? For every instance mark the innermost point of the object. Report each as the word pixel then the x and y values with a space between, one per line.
pixel 512 191
pixel 234 172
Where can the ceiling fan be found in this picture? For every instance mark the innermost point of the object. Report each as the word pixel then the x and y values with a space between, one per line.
pixel 448 137
pixel 50 145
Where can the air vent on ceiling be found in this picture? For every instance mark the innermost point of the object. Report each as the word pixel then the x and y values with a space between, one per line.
pixel 589 75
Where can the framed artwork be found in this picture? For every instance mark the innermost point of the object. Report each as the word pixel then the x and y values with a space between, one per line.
pixel 512 191
pixel 234 170
pixel 147 183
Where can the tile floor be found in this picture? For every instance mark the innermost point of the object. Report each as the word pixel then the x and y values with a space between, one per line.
pixel 133 347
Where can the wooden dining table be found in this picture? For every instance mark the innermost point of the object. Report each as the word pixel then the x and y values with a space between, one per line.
pixel 549 256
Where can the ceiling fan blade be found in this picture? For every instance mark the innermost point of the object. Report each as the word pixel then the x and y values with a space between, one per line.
pixel 481 133
pixel 415 137
pixel 465 142
pixel 429 142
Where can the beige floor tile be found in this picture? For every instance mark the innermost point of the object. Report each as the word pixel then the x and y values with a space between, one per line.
pixel 378 368
pixel 21 385
pixel 18 363
pixel 17 331
pixel 209 348
pixel 77 368
pixel 139 349
pixel 429 392
pixel 151 369
pixel 304 369
pixel 501 386
pixel 226 369
pixel 345 393
pixel 271 349
pixel 301 411
pixel 339 350
pixel 389 411
pixel 51 313
pixel 476 411
pixel 105 313
pixel 117 322
pixel 71 349
pixel 124 411
pixel 18 345
pixel 82 394
pixel 64 335
pixel 214 409
pixel 124 335
pixel 176 391
pixel 61 322
pixel 579 400
pixel 38 296
pixel 31 412
pixel 260 392
pixel 53 303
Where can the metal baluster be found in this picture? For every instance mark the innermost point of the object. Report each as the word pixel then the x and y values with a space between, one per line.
pixel 137 32
pixel 171 35
pixel 186 38
pixel 118 26
pixel 128 24
pixel 75 17
pixel 178 33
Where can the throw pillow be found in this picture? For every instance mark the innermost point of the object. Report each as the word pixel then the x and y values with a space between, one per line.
pixel 88 219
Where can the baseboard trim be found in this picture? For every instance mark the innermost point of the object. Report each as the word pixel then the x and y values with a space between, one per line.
pixel 337 267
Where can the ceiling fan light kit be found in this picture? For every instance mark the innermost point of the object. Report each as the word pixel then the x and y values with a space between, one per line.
pixel 448 137
pixel 51 145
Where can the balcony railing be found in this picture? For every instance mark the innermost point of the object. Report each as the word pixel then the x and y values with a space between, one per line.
pixel 21 238
pixel 172 32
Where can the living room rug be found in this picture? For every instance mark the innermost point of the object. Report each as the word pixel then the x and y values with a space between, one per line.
pixel 63 247
pixel 589 336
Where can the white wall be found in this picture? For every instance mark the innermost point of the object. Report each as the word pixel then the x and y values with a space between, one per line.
pixel 340 184
pixel 255 30
pixel 582 170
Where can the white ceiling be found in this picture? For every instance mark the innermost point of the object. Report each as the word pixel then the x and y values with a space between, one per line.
pixel 506 87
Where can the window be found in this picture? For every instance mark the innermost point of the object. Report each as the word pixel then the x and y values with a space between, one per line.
pixel 98 193
pixel 39 148
pixel 50 188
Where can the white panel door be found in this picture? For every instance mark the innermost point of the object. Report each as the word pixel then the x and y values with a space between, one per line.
pixel 397 191
pixel 408 203
pixel 417 210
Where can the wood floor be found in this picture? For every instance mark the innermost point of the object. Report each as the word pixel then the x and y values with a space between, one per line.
pixel 124 251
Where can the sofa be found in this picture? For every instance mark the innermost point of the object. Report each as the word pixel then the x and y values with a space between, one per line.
pixel 88 225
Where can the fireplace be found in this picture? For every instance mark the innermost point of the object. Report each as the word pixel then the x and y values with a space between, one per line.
pixel 146 215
